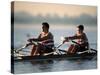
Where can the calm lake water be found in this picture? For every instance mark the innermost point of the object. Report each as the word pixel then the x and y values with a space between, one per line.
pixel 22 33
pixel 53 66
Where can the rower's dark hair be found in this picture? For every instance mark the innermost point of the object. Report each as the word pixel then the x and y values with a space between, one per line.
pixel 45 24
pixel 81 27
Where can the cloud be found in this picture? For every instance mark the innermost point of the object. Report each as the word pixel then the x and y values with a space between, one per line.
pixel 26 18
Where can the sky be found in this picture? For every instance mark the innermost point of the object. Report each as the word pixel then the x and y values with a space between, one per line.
pixel 52 9
pixel 31 12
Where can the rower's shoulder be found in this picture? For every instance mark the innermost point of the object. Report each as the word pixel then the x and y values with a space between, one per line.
pixel 84 33
pixel 50 33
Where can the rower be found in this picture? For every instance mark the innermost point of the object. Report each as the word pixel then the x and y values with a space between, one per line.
pixel 47 41
pixel 82 41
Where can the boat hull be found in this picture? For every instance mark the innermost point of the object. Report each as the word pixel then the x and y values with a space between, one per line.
pixel 51 57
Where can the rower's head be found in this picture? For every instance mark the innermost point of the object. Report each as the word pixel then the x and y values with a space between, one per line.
pixel 80 29
pixel 45 26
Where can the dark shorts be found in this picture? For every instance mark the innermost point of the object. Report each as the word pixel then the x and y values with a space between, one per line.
pixel 81 48
pixel 45 49
pixel 76 48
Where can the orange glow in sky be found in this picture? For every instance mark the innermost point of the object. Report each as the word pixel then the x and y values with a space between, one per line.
pixel 54 9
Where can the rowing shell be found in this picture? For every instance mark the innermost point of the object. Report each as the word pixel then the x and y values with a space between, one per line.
pixel 85 55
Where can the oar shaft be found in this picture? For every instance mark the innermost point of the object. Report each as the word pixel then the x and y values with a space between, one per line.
pixel 59 45
pixel 19 49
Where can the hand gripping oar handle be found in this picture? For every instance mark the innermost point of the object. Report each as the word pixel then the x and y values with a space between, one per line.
pixel 75 42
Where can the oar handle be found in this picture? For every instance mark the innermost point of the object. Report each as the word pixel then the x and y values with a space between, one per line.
pixel 76 43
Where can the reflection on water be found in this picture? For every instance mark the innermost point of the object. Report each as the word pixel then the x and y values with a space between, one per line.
pixel 54 65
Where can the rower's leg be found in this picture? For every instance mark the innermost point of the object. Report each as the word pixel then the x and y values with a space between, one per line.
pixel 75 49
pixel 36 51
pixel 40 49
pixel 72 49
pixel 33 50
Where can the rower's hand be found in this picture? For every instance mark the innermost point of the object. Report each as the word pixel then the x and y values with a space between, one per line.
pixel 30 40
pixel 66 40
pixel 28 44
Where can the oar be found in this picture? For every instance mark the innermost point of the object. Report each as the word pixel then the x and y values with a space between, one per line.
pixel 76 43
pixel 94 50
pixel 60 45
pixel 83 52
pixel 19 49
pixel 26 45
pixel 63 50
pixel 57 50
pixel 89 51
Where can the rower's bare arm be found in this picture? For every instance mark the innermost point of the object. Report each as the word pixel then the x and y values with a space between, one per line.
pixel 71 37
pixel 33 39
